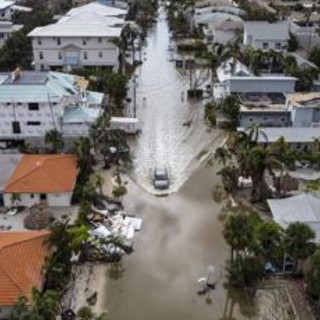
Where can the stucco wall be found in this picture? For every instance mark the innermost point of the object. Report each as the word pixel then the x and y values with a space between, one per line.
pixel 28 200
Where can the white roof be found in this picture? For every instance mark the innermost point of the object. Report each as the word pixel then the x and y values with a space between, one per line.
pixel 5 4
pixel 123 120
pixel 303 208
pixel 75 30
pixel 92 20
pixel 98 8
pixel 290 134
pixel 265 30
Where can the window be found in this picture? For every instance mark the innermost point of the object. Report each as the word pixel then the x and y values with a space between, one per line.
pixel 39 41
pixel 278 46
pixel 2 35
pixel 99 40
pixel 31 195
pixel 85 55
pixel 33 106
pixel 43 196
pixel 250 119
pixel 59 55
pixel 33 123
pixel 40 55
pixel 265 45
pixel 16 127
pixel 283 119
pixel 84 41
pixel 58 41
pixel 8 103
pixel 100 54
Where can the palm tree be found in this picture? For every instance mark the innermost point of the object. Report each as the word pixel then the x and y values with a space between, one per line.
pixel 229 176
pixel 222 155
pixel 78 236
pixel 97 181
pixel 55 139
pixel 299 241
pixel 238 232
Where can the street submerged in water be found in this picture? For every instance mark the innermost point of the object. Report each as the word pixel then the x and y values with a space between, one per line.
pixel 182 233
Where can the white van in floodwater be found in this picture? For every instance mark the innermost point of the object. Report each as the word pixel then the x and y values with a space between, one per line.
pixel 128 125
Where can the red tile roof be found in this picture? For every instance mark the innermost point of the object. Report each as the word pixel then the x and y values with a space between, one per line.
pixel 22 256
pixel 43 174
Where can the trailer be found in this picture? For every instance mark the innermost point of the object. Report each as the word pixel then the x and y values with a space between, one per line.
pixel 128 125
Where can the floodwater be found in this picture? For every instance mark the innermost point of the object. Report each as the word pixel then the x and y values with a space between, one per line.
pixel 181 233
pixel 173 131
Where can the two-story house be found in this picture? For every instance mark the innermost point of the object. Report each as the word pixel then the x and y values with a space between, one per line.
pixel 34 102
pixel 265 35
pixel 6 21
pixel 84 37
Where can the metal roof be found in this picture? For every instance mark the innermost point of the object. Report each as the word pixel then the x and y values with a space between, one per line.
pixel 76 114
pixel 303 208
pixel 290 134
pixel 264 30
pixel 5 4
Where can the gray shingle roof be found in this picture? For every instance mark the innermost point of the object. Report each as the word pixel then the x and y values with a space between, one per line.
pixel 267 31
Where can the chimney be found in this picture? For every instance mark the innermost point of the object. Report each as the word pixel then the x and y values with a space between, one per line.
pixel 15 74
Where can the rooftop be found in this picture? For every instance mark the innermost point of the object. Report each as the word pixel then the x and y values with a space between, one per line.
pixel 43 174
pixel 301 61
pixel 22 256
pixel 290 134
pixel 265 30
pixel 302 208
pixel 76 114
pixel 41 86
pixel 310 99
pixel 5 4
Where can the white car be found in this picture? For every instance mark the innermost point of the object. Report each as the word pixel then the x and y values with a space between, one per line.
pixel 160 179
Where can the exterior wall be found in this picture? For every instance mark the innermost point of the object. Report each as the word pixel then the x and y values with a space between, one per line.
pixel 73 52
pixel 5 312
pixel 75 129
pixel 305 117
pixel 20 112
pixel 6 14
pixel 272 44
pixel 260 85
pixel 264 119
pixel 4 36
pixel 28 200
pixel 307 36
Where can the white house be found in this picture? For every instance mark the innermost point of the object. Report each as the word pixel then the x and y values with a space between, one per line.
pixel 36 178
pixel 84 37
pixel 235 77
pixel 305 109
pixel 265 35
pixel 6 21
pixel 34 102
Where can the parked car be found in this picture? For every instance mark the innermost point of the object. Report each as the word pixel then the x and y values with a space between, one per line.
pixel 160 178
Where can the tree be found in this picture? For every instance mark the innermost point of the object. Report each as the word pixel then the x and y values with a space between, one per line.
pixel 55 139
pixel 97 181
pixel 238 232
pixel 313 277
pixel 43 306
pixel 314 55
pixel 222 155
pixel 293 43
pixel 78 235
pixel 115 85
pixel 210 115
pixel 86 313
pixel 299 241
pixel 270 235
pixel 119 191
pixel 230 176
pixel 231 107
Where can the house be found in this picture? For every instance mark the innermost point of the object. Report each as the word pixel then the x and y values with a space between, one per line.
pixel 7 27
pixel 264 109
pixel 303 208
pixel 235 77
pixel 36 178
pixel 84 37
pixel 265 35
pixel 305 109
pixel 307 35
pixel 299 138
pixel 34 102
pixel 22 258
pixel 302 63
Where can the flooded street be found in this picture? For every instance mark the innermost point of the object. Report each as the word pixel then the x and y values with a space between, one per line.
pixel 162 110
pixel 181 233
